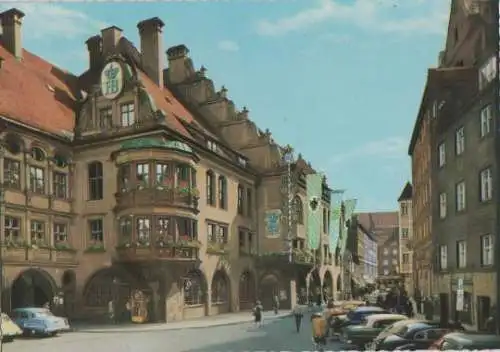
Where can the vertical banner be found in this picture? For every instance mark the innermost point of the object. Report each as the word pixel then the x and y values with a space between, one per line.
pixel 314 185
pixel 335 208
pixel 349 207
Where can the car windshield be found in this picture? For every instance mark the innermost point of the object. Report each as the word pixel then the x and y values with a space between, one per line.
pixel 394 328
pixel 44 313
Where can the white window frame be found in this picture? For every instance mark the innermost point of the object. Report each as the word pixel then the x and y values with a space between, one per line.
pixel 486 119
pixel 486 250
pixel 385 262
pixel 460 140
pixel 443 257
pixel 460 198
pixel 442 154
pixel 486 185
pixel 487 72
pixel 405 258
pixel 443 205
pixel 461 254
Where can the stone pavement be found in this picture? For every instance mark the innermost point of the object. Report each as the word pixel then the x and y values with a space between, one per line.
pixel 212 321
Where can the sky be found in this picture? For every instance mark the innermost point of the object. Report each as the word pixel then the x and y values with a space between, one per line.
pixel 340 80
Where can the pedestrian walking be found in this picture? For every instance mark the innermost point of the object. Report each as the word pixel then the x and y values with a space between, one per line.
pixel 111 312
pixel 298 314
pixel 276 304
pixel 257 313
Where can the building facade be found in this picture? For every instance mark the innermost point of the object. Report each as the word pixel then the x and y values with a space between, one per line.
pixel 405 236
pixel 368 260
pixel 136 182
pixel 384 228
pixel 463 167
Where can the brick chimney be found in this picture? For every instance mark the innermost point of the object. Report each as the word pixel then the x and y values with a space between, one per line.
pixel 11 31
pixel 94 47
pixel 177 57
pixel 150 32
pixel 110 38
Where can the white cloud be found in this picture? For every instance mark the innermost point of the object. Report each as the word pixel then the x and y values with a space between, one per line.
pixel 55 21
pixel 389 148
pixel 228 45
pixel 380 15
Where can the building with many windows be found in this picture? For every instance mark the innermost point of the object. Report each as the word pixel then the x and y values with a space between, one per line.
pixel 405 236
pixel 136 183
pixel 459 104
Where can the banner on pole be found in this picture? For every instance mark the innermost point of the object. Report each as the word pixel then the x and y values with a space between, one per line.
pixel 314 184
pixel 335 209
pixel 349 207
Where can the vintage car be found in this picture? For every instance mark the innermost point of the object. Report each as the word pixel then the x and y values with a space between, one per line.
pixel 355 317
pixel 39 321
pixel 342 308
pixel 360 336
pixel 9 329
pixel 415 335
pixel 466 341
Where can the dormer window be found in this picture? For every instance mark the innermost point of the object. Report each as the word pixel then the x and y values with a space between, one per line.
pixel 37 154
pixel 212 146
pixel 127 113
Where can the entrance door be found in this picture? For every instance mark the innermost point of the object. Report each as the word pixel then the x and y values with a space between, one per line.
pixel 444 307
pixel 483 311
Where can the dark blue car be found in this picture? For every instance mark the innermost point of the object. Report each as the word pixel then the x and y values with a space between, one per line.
pixel 355 317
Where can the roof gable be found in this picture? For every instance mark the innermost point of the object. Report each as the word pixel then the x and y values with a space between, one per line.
pixel 36 93
pixel 406 194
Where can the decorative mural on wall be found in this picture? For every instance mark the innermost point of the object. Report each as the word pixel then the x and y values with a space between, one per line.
pixel 314 184
pixel 273 223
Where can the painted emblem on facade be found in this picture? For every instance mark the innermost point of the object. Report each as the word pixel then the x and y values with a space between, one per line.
pixel 273 222
pixel 314 203
pixel 112 80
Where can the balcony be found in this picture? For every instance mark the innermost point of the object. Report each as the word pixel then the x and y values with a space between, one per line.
pixel 158 197
pixel 177 251
pixel 21 254
pixel 215 248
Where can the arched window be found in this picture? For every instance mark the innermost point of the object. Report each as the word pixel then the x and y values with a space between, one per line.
pixel 222 192
pixel 194 287
pixel 60 160
pixel 13 144
pixel 220 292
pixel 210 185
pixel 247 288
pixel 95 180
pixel 299 210
pixel 37 154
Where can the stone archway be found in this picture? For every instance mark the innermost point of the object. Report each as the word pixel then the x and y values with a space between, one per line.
pixel 195 294
pixel 314 281
pixel 246 291
pixel 220 293
pixel 105 286
pixel 269 288
pixel 32 288
pixel 327 285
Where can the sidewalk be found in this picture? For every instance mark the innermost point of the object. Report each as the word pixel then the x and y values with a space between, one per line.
pixel 205 322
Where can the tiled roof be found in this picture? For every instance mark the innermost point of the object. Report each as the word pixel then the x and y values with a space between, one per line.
pixel 407 192
pixel 36 93
pixel 377 221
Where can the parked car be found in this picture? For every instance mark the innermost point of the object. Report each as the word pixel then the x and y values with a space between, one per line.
pixel 416 335
pixel 466 341
pixel 9 329
pixel 39 321
pixel 355 317
pixel 360 336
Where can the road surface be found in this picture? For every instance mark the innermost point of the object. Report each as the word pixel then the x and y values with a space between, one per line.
pixel 274 335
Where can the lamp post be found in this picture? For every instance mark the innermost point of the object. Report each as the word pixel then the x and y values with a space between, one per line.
pixel 288 159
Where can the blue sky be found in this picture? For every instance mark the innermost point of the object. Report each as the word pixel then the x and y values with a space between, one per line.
pixel 339 80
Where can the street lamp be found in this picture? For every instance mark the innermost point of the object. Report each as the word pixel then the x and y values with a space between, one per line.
pixel 288 159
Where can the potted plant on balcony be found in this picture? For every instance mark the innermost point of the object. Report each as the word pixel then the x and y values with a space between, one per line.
pixel 187 241
pixel 217 248
pixel 63 247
